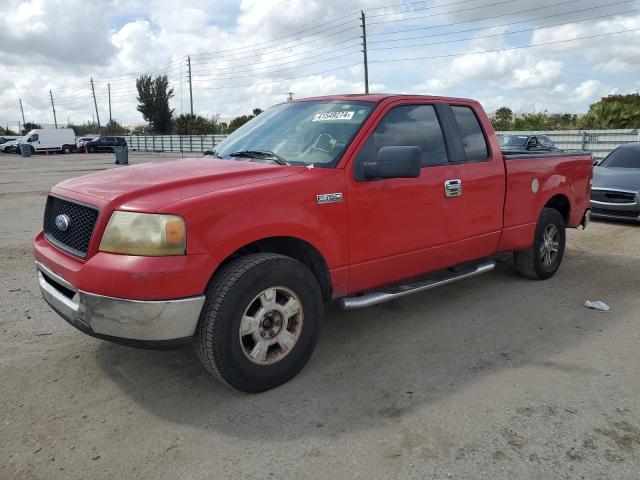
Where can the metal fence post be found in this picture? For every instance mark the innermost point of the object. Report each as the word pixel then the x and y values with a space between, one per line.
pixel 584 139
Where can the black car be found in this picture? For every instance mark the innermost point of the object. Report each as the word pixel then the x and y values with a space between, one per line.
pixel 530 143
pixel 104 144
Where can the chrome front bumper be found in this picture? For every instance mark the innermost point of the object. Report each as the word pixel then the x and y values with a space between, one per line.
pixel 118 318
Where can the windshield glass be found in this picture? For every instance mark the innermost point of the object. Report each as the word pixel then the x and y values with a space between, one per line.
pixel 623 157
pixel 518 141
pixel 301 133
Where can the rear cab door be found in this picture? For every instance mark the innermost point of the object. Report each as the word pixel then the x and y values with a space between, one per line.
pixel 476 203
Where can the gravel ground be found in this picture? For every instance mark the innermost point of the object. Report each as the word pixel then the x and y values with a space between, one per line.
pixel 496 377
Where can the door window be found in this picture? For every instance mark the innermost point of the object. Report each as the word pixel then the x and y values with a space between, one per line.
pixel 545 142
pixel 34 137
pixel 410 125
pixel 475 145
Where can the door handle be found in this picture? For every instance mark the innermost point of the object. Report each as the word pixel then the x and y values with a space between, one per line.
pixel 453 188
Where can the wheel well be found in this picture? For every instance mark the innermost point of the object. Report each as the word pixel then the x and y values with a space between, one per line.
pixel 561 204
pixel 295 248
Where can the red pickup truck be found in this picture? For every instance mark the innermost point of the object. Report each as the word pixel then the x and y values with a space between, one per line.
pixel 361 198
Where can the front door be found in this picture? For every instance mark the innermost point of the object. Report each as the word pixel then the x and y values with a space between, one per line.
pixel 399 228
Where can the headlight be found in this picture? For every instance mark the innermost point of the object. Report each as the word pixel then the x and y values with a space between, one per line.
pixel 145 234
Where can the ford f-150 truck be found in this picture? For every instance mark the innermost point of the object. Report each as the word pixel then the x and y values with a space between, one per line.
pixel 356 198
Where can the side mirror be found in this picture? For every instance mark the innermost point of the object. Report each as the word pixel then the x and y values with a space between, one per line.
pixel 395 162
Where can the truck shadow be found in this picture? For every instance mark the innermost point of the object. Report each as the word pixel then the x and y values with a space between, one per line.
pixel 374 366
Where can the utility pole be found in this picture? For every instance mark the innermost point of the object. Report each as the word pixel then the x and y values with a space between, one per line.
pixel 290 94
pixel 95 104
pixel 55 120
pixel 109 92
pixel 364 51
pixel 22 111
pixel 190 88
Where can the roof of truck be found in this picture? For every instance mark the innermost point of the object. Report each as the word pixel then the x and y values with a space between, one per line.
pixel 378 97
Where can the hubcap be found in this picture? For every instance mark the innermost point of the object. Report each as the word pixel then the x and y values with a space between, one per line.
pixel 271 325
pixel 550 245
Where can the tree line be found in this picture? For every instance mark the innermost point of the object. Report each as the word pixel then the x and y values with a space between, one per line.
pixel 612 112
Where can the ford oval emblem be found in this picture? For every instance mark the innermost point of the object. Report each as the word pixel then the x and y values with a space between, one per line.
pixel 63 222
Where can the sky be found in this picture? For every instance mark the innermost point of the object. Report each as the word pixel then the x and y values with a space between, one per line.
pixel 554 55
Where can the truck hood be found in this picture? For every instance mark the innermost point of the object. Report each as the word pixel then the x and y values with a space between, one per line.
pixel 149 186
pixel 625 178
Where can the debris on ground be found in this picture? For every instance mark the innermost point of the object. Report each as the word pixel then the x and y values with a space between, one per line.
pixel 597 305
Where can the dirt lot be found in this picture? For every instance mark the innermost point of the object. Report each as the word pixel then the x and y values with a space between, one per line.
pixel 495 377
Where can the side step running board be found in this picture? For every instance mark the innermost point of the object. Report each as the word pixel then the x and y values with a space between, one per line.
pixel 435 280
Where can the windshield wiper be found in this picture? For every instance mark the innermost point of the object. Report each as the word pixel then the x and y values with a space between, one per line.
pixel 260 154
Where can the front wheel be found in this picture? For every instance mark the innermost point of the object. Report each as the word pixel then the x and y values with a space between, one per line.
pixel 543 259
pixel 260 322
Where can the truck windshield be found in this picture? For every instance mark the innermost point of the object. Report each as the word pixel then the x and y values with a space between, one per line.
pixel 517 141
pixel 623 157
pixel 300 133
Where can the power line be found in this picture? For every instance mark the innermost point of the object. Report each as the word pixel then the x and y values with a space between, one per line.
pixel 232 76
pixel 261 44
pixel 501 33
pixel 504 49
pixel 432 7
pixel 274 49
pixel 509 24
pixel 279 60
pixel 502 2
pixel 285 79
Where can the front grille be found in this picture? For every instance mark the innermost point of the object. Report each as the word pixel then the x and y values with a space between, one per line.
pixel 82 220
pixel 613 196
pixel 616 213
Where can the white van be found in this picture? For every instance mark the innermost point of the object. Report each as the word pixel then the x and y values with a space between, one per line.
pixel 61 140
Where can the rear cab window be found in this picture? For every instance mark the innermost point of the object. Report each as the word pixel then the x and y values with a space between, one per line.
pixel 473 139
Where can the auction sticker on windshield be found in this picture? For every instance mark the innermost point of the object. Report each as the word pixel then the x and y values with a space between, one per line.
pixel 323 117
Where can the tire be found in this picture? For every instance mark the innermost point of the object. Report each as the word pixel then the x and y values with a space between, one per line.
pixel 66 149
pixel 543 259
pixel 242 295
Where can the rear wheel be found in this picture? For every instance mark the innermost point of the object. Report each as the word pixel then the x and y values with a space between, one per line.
pixel 543 259
pixel 66 149
pixel 260 322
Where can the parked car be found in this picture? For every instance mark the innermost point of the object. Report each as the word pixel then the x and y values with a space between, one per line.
pixel 104 144
pixel 4 140
pixel 10 146
pixel 535 143
pixel 80 142
pixel 616 185
pixel 59 140
pixel 357 198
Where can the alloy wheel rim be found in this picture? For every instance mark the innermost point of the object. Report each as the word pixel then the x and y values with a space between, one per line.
pixel 271 325
pixel 550 246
